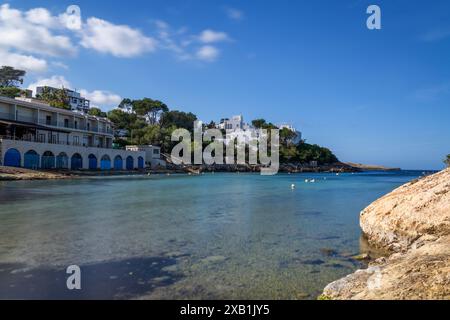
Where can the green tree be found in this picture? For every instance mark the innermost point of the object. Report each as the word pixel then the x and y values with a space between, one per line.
pixel 178 119
pixel 125 104
pixel 313 152
pixel 122 120
pixel 447 161
pixel 150 108
pixel 10 77
pixel 287 136
pixel 57 98
pixel 259 123
pixel 97 112
pixel 10 92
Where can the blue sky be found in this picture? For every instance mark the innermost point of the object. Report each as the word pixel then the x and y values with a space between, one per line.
pixel 372 96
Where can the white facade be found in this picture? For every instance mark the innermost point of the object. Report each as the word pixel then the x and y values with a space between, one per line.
pixel 298 138
pixel 235 123
pixel 152 155
pixel 30 126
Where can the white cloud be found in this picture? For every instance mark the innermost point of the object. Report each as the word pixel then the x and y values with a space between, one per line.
pixel 42 16
pixel 102 98
pixel 54 81
pixel 208 53
pixel 234 14
pixel 432 93
pixel 28 33
pixel 435 35
pixel 211 36
pixel 118 40
pixel 23 62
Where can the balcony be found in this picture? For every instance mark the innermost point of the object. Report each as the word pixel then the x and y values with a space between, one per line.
pixel 36 139
pixel 53 123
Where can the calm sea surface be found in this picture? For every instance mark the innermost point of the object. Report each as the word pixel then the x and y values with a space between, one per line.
pixel 215 236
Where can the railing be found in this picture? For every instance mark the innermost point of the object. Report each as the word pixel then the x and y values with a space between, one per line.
pixel 53 123
pixel 35 139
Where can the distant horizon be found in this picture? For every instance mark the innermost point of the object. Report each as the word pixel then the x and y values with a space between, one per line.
pixel 371 96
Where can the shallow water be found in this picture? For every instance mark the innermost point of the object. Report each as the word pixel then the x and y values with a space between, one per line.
pixel 214 236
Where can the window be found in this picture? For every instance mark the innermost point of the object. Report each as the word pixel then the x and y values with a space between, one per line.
pixel 156 151
pixel 66 123
pixel 48 120
pixel 76 140
pixel 41 137
pixel 76 125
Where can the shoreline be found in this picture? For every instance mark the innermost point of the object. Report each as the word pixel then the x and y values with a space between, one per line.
pixel 22 174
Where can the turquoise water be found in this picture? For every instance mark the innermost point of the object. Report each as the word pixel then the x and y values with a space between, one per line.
pixel 214 236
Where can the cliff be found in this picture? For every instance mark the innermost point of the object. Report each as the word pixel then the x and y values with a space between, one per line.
pixel 412 222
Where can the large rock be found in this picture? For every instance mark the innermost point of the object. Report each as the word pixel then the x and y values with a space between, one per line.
pixel 413 221
pixel 421 207
pixel 418 274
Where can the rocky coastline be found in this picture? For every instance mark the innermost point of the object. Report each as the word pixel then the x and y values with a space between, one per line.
pixel 413 224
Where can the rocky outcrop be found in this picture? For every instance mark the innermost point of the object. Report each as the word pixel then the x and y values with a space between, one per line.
pixel 421 207
pixel 413 222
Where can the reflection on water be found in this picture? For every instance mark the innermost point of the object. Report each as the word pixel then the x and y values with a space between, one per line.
pixel 222 236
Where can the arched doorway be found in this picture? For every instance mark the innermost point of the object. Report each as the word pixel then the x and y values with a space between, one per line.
pixel 76 162
pixel 48 160
pixel 31 160
pixel 92 162
pixel 105 163
pixel 118 163
pixel 130 163
pixel 12 158
pixel 62 161
pixel 141 163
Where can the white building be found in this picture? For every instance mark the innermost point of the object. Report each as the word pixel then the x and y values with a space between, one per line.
pixel 76 101
pixel 152 155
pixel 235 123
pixel 298 137
pixel 35 135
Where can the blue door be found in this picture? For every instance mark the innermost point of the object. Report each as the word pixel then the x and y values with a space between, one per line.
pixel 92 162
pixel 62 161
pixel 31 160
pixel 76 162
pixel 48 160
pixel 141 163
pixel 105 163
pixel 130 163
pixel 12 158
pixel 118 163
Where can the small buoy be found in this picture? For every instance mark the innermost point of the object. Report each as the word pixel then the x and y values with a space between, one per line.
pixel 306 180
pixel 313 180
pixel 292 186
